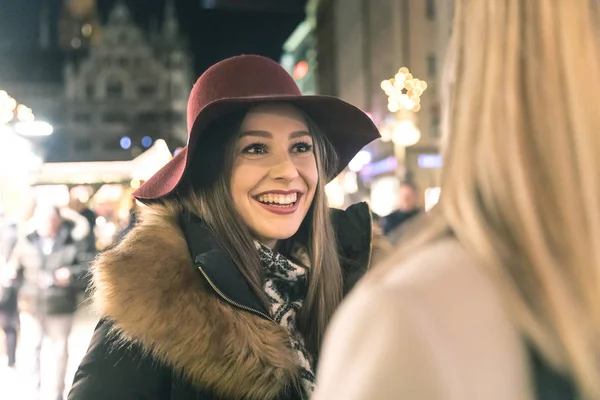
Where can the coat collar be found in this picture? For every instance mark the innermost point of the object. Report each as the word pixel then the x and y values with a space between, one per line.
pixel 215 264
pixel 150 287
pixel 352 226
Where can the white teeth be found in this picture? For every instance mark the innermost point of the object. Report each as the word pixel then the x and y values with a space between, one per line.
pixel 281 199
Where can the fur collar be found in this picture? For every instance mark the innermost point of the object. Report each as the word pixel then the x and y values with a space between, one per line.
pixel 152 291
pixel 149 286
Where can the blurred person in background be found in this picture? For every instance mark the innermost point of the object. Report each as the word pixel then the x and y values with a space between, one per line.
pixel 498 295
pixel 9 285
pixel 9 312
pixel 394 225
pixel 225 285
pixel 90 239
pixel 88 244
pixel 8 234
pixel 48 259
pixel 407 208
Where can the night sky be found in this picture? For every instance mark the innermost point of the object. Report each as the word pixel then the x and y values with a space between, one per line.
pixel 212 34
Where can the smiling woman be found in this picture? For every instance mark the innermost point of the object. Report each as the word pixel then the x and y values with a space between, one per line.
pixel 275 172
pixel 225 287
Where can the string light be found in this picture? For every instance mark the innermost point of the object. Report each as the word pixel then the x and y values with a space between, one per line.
pixel 404 91
pixel 10 109
pixel 404 98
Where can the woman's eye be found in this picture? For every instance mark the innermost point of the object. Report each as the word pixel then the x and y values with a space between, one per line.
pixel 302 147
pixel 255 148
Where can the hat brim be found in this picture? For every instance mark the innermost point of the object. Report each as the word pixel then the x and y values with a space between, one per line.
pixel 347 128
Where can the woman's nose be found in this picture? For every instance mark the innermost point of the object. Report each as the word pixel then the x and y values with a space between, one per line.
pixel 284 168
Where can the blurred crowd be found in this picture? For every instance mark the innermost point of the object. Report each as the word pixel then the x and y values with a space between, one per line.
pixel 44 274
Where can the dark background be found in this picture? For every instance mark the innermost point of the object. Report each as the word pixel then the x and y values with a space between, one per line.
pixel 214 29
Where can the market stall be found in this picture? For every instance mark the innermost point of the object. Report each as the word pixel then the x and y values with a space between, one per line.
pixel 102 187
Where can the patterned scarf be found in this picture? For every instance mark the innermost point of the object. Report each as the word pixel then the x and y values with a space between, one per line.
pixel 285 286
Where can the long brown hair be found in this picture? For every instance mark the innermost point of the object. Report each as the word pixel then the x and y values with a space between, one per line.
pixel 520 187
pixel 208 195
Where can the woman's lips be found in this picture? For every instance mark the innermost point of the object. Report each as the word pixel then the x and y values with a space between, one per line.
pixel 277 202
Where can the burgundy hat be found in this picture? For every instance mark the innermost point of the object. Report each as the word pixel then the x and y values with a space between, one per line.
pixel 247 80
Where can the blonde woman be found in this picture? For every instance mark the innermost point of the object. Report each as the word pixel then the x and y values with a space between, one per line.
pixel 498 297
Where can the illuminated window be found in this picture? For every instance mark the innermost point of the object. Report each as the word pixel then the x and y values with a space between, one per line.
pixel 86 30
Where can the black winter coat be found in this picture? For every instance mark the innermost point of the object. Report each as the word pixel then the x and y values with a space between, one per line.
pixel 181 323
pixel 39 294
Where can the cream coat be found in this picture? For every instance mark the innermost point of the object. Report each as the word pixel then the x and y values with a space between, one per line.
pixel 435 328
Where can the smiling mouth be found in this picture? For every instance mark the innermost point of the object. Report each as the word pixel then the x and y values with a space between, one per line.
pixel 279 200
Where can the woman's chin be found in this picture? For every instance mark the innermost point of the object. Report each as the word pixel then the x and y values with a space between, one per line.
pixel 272 235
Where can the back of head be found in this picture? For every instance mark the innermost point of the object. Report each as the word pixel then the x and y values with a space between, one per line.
pixel 520 187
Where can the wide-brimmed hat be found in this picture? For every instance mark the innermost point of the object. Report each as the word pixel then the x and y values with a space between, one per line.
pixel 243 81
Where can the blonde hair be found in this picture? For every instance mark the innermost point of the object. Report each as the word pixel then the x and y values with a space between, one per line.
pixel 520 182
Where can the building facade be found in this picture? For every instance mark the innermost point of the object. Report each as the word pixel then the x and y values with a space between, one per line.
pixel 360 43
pixel 299 57
pixel 107 100
pixel 130 90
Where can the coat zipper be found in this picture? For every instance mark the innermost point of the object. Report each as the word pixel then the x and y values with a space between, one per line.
pixel 233 303
pixel 251 310
pixel 298 387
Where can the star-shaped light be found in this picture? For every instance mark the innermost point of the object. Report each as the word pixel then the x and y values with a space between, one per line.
pixel 404 91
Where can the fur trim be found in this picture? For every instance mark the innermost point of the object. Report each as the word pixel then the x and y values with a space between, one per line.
pixel 149 287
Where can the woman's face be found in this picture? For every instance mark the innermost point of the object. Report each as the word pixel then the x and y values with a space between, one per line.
pixel 274 173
